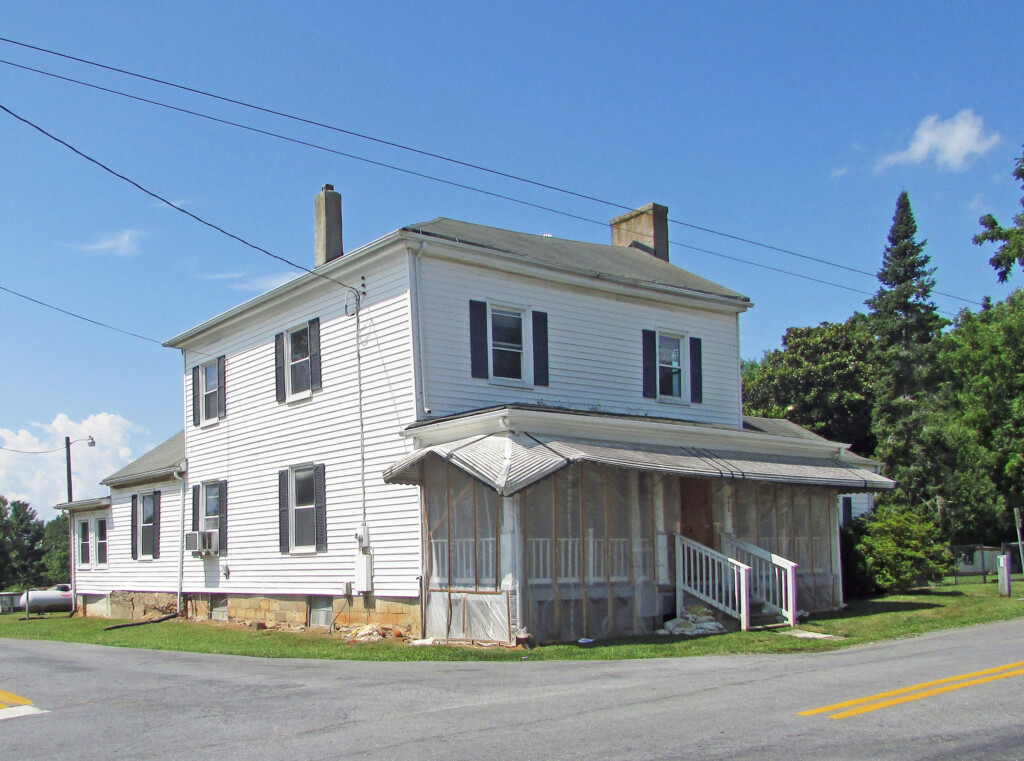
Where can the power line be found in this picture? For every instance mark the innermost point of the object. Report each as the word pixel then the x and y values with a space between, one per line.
pixel 344 285
pixel 28 451
pixel 187 213
pixel 411 149
pixel 79 316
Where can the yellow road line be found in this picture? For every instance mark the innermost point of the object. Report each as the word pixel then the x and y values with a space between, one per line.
pixel 925 694
pixel 10 699
pixel 912 688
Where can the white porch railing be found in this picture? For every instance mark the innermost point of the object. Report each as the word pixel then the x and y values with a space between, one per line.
pixel 713 578
pixel 571 555
pixel 464 570
pixel 772 577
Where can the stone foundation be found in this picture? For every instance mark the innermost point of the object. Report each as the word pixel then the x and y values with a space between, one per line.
pixel 277 611
pixel 140 605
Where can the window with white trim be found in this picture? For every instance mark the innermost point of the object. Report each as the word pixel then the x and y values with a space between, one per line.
pixel 297 362
pixel 672 367
pixel 211 506
pixel 146 526
pixel 303 509
pixel 508 344
pixel 208 392
pixel 92 542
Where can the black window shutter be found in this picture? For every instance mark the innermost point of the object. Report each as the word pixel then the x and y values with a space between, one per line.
pixel 279 366
pixel 221 402
pixel 650 364
pixel 135 527
pixel 320 503
pixel 282 510
pixel 315 379
pixel 156 525
pixel 479 366
pixel 195 507
pixel 696 372
pixel 195 395
pixel 223 517
pixel 540 348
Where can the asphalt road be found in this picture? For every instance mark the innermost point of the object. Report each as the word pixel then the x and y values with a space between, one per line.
pixel 110 703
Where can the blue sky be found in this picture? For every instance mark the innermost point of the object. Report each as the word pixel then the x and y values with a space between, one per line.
pixel 792 124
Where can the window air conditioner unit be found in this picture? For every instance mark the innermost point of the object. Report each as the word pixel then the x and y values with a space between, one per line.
pixel 202 542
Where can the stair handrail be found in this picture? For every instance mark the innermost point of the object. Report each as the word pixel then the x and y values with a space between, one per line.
pixel 773 577
pixel 713 578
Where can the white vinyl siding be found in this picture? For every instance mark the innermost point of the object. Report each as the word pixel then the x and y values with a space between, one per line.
pixel 595 353
pixel 260 438
pixel 121 572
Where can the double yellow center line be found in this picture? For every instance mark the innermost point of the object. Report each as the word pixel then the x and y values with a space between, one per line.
pixel 916 692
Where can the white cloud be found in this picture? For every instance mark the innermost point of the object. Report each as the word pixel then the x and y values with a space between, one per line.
pixel 41 480
pixel 976 203
pixel 223 276
pixel 263 283
pixel 952 143
pixel 124 243
pixel 837 173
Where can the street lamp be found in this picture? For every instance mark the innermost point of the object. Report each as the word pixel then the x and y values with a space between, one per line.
pixel 71 524
pixel 67 449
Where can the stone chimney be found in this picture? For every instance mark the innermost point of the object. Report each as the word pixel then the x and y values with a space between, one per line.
pixel 645 228
pixel 327 239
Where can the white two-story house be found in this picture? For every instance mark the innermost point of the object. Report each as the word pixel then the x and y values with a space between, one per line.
pixel 473 433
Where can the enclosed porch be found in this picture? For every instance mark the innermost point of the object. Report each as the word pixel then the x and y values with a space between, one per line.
pixel 564 540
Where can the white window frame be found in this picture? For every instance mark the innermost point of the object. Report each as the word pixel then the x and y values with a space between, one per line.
pixel 292 395
pixel 204 419
pixel 204 518
pixel 525 313
pixel 92 542
pixel 304 549
pixel 141 525
pixel 684 366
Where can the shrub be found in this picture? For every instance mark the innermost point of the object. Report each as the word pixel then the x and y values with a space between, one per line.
pixel 902 549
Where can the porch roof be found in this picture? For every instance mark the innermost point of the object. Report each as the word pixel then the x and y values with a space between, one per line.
pixel 510 461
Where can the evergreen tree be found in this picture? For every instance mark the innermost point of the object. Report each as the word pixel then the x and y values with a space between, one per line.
pixel 1012 238
pixel 904 323
pixel 55 551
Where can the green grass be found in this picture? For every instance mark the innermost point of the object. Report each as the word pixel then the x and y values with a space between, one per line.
pixel 941 607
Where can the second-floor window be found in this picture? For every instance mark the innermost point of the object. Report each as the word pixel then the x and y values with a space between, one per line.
pixel 208 381
pixel 508 344
pixel 297 362
pixel 673 367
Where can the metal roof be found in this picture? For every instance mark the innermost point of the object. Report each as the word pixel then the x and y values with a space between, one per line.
pixel 594 258
pixel 509 462
pixel 161 460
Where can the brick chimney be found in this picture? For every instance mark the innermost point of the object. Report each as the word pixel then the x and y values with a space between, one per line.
pixel 327 238
pixel 645 228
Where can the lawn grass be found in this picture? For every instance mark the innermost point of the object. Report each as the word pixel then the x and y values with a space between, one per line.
pixel 943 606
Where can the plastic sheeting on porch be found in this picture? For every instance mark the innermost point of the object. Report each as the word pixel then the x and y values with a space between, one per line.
pixel 510 461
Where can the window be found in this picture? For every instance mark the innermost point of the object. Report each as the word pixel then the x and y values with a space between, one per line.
pixel 84 545
pixel 208 392
pixel 210 510
pixel 303 509
pixel 508 344
pixel 100 534
pixel 146 526
pixel 92 542
pixel 297 362
pixel 672 367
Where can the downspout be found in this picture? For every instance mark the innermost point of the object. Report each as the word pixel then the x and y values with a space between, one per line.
pixel 182 468
pixel 420 367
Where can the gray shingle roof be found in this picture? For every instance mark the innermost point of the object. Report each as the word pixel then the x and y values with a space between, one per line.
pixel 161 458
pixel 617 261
